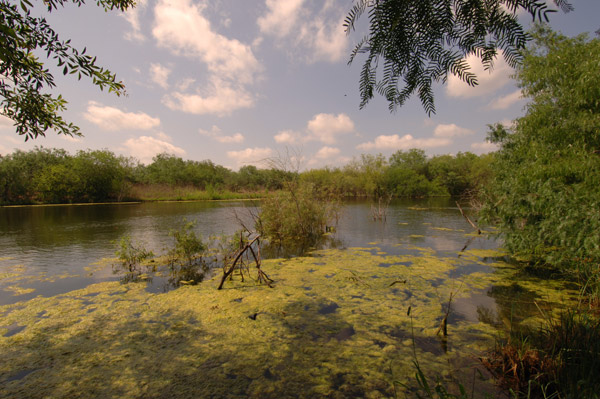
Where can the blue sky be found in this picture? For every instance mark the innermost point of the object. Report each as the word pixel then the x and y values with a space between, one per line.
pixel 240 81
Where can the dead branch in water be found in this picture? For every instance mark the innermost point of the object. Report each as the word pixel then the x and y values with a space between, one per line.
pixel 468 220
pixel 238 262
pixel 380 212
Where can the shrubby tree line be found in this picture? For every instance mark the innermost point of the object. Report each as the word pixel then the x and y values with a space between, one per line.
pixel 54 176
pixel 545 194
pixel 405 174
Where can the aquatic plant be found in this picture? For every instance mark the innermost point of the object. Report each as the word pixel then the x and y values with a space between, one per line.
pixel 186 257
pixel 301 213
pixel 131 254
pixel 561 359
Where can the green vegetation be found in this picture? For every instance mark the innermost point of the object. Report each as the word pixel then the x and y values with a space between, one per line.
pixel 562 359
pixel 332 326
pixel 54 176
pixel 298 215
pixel 414 44
pixel 26 80
pixel 131 255
pixel 545 195
pixel 186 257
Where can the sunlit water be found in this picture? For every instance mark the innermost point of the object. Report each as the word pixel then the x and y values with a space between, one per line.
pixel 58 245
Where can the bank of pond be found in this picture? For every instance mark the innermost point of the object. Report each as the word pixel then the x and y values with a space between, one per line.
pixel 359 317
pixel 49 176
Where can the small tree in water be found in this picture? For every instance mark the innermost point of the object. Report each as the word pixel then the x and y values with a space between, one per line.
pixel 131 254
pixel 298 214
pixel 186 259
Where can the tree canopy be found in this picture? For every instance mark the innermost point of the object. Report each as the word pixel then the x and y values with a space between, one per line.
pixel 24 77
pixel 411 44
pixel 546 192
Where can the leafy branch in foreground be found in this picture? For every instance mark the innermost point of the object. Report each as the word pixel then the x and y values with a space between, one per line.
pixel 23 77
pixel 415 43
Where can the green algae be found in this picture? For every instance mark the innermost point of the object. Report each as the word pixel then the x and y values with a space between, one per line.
pixel 443 229
pixel 17 290
pixel 335 325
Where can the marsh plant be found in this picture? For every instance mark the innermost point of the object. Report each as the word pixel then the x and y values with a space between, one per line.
pixel 131 254
pixel 186 258
pixel 301 213
pixel 559 360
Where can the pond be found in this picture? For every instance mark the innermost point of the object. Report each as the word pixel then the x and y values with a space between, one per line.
pixel 347 320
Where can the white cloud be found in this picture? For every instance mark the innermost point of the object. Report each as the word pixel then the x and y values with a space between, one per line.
pixel 317 31
pixel 322 127
pixel 6 122
pixel 327 38
pixel 185 84
pixel 181 27
pixel 287 137
pixel 132 16
pixel 485 147
pixel 250 155
pixel 5 139
pixel 395 142
pixel 489 81
pixel 281 17
pixel 110 118
pixel 220 99
pixel 145 148
pixel 71 139
pixel 451 130
pixel 164 137
pixel 216 134
pixel 14 139
pixel 327 153
pixel 159 74
pixel 506 101
pixel 325 127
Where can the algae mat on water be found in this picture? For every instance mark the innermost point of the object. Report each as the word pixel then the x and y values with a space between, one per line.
pixel 336 324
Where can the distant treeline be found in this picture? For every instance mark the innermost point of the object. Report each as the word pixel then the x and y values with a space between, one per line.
pixel 54 176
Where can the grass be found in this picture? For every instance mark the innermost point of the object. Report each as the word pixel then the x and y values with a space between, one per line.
pixel 159 192
pixel 559 360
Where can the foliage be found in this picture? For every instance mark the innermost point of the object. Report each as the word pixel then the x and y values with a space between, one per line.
pixel 546 193
pixel 422 42
pixel 187 244
pixel 54 176
pixel 561 359
pixel 131 254
pixel 186 260
pixel 25 77
pixel 298 214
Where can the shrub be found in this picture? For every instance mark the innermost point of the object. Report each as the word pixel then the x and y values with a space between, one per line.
pixel 186 261
pixel 299 214
pixel 131 254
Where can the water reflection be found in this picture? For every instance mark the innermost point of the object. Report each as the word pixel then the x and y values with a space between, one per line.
pixel 58 244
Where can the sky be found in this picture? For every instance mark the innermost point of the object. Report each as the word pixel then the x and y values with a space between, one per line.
pixel 237 82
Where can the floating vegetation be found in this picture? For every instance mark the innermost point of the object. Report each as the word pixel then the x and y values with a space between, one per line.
pixel 17 290
pixel 442 228
pixel 334 325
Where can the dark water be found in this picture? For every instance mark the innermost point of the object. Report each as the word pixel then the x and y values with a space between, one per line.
pixel 57 244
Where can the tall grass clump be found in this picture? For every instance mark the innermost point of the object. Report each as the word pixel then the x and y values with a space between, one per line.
pixel 301 213
pixel 559 360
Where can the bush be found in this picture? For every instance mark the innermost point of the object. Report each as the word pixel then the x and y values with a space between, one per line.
pixel 299 214
pixel 131 254
pixel 186 261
